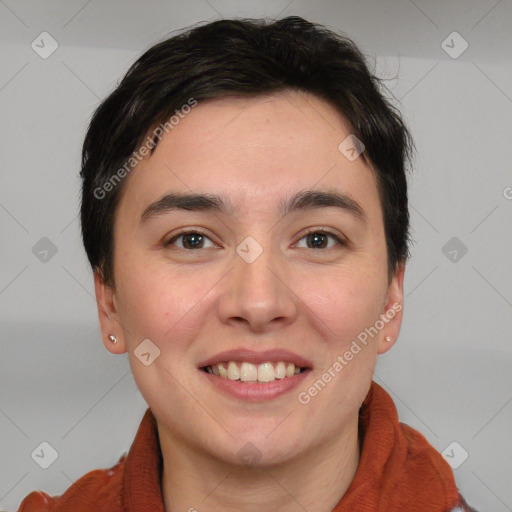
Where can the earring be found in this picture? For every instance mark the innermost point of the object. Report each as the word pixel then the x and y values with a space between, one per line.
pixel 388 339
pixel 113 339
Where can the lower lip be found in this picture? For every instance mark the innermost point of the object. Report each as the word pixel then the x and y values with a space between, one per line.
pixel 256 391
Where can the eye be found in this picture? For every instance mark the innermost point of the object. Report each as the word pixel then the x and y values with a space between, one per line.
pixel 190 240
pixel 319 239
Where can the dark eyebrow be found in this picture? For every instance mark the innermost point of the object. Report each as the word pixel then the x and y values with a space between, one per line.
pixel 186 201
pixel 309 199
pixel 303 200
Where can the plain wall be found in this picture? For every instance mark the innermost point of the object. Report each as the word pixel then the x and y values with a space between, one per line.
pixel 450 371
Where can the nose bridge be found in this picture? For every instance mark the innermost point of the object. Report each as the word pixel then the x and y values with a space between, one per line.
pixel 257 293
pixel 253 268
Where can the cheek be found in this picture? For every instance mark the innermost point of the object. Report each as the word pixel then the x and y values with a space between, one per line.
pixel 162 303
pixel 167 307
pixel 344 302
pixel 343 306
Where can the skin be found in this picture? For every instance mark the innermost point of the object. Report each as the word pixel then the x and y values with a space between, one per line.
pixel 194 303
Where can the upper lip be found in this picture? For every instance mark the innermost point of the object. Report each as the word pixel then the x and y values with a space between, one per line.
pixel 251 356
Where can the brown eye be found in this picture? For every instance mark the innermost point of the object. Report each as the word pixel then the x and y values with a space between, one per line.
pixel 190 240
pixel 320 240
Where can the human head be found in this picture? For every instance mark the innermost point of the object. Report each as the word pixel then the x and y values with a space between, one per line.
pixel 255 147
pixel 240 58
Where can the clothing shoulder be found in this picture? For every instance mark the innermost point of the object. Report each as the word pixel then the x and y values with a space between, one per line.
pixel 98 490
pixel 417 449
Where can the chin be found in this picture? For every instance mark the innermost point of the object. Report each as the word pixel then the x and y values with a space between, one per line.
pixel 262 449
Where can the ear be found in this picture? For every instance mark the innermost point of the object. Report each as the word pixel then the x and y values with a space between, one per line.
pixel 108 315
pixel 393 309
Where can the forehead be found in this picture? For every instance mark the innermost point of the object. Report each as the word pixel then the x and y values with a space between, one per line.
pixel 254 151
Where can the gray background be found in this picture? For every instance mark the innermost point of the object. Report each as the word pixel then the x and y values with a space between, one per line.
pixel 449 373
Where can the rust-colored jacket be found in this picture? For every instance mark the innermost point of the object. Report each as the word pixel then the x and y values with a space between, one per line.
pixel 398 471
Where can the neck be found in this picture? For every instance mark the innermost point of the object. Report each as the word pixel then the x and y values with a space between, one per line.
pixel 315 480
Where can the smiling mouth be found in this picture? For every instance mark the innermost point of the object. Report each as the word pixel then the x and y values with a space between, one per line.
pixel 248 372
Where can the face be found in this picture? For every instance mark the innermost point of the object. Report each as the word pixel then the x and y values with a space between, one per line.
pixel 257 279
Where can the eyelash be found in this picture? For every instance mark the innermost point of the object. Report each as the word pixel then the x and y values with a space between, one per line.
pixel 311 231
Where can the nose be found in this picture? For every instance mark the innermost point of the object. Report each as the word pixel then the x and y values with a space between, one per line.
pixel 258 294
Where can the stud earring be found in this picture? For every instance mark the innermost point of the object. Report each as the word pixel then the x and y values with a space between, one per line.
pixel 113 339
pixel 388 339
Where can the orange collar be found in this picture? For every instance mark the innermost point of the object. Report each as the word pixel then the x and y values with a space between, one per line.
pixel 398 469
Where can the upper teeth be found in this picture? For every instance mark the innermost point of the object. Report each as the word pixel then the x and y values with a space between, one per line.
pixel 248 372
